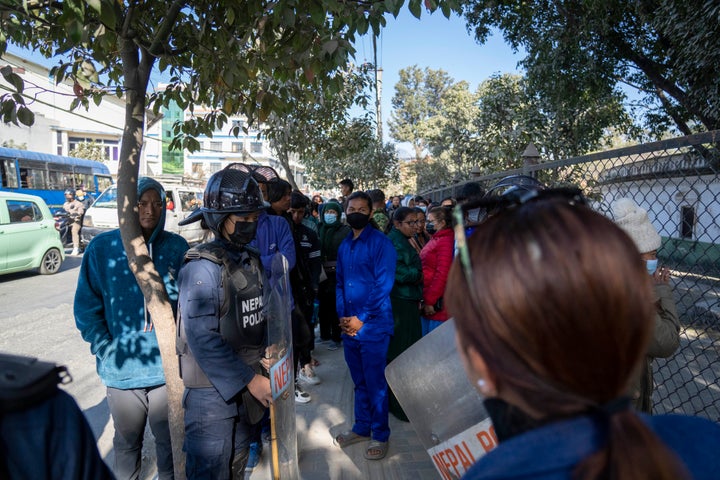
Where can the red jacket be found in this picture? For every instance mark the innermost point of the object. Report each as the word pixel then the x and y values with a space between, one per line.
pixel 436 257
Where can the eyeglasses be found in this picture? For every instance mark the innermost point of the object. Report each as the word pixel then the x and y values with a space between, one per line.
pixel 497 205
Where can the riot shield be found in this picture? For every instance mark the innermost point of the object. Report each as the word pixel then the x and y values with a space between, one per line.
pixel 445 410
pixel 283 439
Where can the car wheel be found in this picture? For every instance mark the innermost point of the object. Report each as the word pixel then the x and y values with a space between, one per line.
pixel 51 262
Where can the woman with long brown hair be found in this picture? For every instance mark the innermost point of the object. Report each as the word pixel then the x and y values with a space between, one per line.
pixel 554 309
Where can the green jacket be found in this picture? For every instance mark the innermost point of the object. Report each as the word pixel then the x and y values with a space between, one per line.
pixel 408 271
pixel 331 236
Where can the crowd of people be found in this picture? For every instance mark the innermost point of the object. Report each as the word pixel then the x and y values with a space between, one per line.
pixel 560 357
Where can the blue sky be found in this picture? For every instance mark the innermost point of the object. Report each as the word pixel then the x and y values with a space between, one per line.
pixel 436 42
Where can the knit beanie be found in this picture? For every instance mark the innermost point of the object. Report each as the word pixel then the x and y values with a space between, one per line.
pixel 634 220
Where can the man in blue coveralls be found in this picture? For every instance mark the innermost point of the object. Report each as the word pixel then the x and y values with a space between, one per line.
pixel 365 275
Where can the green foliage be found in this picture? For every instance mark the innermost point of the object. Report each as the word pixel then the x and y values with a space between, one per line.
pixel 416 105
pixel 581 51
pixel 11 144
pixel 353 151
pixel 491 128
pixel 89 150
pixel 315 114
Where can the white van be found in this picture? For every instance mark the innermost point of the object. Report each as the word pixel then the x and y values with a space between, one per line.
pixel 182 201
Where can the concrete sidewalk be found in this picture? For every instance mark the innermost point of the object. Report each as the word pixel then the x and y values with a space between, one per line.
pixel 331 412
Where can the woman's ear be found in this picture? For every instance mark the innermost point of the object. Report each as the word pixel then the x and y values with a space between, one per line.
pixel 484 379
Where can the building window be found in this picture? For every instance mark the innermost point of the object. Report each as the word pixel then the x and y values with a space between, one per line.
pixel 256 147
pixel 687 227
pixel 215 167
pixel 236 147
pixel 216 146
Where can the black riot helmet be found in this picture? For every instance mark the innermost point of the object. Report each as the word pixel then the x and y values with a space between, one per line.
pixel 515 185
pixel 228 191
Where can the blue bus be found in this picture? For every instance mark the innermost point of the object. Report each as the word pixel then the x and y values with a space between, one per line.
pixel 48 176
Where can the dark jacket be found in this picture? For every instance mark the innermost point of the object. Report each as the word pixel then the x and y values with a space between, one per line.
pixel 51 439
pixel 408 270
pixel 331 236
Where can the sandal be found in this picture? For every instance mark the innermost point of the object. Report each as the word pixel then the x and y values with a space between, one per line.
pixel 376 450
pixel 348 438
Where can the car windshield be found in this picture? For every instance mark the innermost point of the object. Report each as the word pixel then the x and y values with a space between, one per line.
pixel 107 199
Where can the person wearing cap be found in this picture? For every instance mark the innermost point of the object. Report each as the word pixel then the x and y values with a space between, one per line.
pixel 222 330
pixel 112 316
pixel 75 210
pixel 665 339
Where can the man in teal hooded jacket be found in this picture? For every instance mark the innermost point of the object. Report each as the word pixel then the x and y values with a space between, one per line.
pixel 112 316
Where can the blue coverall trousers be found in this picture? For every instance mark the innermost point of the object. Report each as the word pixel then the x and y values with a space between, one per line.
pixel 366 360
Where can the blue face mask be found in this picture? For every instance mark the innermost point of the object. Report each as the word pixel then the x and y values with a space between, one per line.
pixel 330 218
pixel 651 266
pixel 422 207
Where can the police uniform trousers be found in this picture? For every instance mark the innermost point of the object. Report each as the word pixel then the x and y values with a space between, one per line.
pixel 215 432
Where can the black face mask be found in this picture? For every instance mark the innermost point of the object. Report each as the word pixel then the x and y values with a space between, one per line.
pixel 509 420
pixel 244 233
pixel 357 220
pixel 430 227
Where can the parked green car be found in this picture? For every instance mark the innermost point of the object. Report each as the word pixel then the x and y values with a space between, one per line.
pixel 28 238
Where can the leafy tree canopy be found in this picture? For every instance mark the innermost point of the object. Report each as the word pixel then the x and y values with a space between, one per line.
pixel 416 104
pixel 491 127
pixel 353 151
pixel 305 130
pixel 582 50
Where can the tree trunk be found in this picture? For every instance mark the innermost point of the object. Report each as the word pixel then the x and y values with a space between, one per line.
pixel 137 65
pixel 284 160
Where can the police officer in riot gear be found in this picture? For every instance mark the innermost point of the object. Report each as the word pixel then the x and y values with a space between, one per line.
pixel 222 330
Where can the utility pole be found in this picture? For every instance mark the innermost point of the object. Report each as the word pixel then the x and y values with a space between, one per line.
pixel 378 92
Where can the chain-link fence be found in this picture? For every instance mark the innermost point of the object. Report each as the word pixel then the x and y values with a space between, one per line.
pixel 677 182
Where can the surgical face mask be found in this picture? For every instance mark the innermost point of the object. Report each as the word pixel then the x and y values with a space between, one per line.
pixel 474 215
pixel 330 218
pixel 422 207
pixel 358 220
pixel 430 227
pixel 651 266
pixel 244 233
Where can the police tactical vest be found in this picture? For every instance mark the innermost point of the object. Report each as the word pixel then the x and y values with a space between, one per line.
pixel 242 316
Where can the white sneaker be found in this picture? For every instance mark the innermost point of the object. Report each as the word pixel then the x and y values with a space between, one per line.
pixel 74 252
pixel 300 396
pixel 307 375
